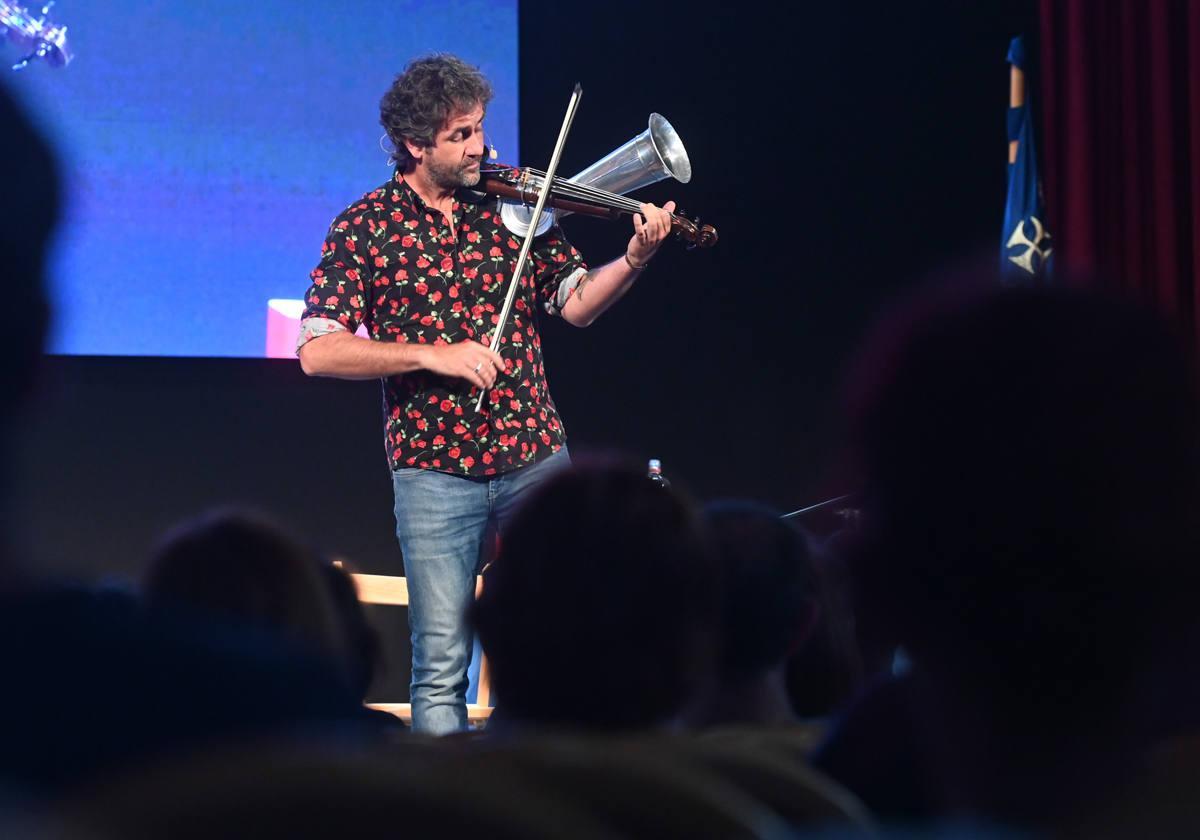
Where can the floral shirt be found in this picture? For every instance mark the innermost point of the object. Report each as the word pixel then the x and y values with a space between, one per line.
pixel 393 264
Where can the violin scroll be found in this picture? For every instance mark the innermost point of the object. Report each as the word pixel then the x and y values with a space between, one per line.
pixel 692 232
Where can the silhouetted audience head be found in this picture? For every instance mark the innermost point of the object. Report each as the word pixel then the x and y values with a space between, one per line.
pixel 825 672
pixel 243 568
pixel 599 611
pixel 28 213
pixel 95 683
pixel 1030 460
pixel 769 588
pixel 786 644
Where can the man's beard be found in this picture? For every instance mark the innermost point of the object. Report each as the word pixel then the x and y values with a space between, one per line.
pixel 453 177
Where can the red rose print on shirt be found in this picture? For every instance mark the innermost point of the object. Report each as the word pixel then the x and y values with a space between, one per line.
pixel 424 413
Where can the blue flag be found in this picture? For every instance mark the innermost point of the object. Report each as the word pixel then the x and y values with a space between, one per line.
pixel 1025 245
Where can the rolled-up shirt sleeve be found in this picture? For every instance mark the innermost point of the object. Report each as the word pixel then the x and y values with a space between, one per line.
pixel 559 269
pixel 337 299
pixel 314 326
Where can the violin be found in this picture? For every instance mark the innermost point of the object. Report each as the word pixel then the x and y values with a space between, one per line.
pixel 653 155
pixel 523 186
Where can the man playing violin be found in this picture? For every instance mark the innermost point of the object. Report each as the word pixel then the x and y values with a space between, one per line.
pixel 423 262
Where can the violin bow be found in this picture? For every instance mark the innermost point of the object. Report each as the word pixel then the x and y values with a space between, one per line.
pixel 530 234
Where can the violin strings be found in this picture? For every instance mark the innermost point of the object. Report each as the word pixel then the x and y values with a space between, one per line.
pixel 598 198
pixel 584 192
pixel 597 195
pixel 572 189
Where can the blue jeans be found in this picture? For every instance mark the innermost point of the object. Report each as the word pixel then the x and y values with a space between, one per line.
pixel 440 522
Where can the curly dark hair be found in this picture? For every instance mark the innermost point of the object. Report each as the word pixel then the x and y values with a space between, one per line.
pixel 429 91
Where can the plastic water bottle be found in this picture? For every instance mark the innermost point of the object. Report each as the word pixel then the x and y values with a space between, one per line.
pixel 654 473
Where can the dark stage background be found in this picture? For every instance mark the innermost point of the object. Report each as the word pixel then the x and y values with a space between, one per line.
pixel 842 151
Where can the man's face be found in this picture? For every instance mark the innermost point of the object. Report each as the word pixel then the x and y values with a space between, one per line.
pixel 454 158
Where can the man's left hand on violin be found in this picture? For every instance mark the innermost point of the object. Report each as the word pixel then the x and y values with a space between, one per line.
pixel 650 233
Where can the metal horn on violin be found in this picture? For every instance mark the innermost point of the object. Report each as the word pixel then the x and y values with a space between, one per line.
pixel 654 155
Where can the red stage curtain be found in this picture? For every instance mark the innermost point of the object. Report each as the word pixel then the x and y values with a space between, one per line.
pixel 1120 92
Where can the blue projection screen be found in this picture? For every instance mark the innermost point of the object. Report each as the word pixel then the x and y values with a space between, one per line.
pixel 207 146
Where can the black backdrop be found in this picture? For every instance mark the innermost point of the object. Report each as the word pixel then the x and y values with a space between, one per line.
pixel 842 151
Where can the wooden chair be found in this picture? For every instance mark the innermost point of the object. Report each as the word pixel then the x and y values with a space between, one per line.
pixel 392 590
